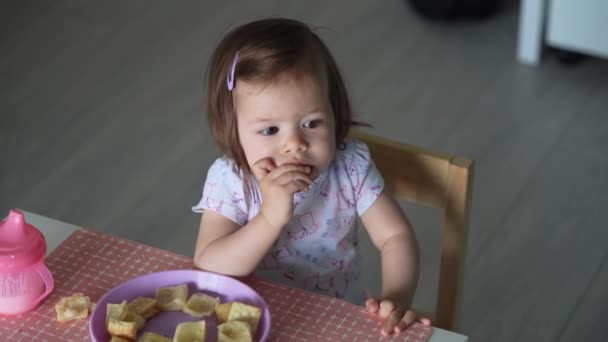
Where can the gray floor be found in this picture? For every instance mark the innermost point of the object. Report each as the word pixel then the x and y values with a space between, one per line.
pixel 101 125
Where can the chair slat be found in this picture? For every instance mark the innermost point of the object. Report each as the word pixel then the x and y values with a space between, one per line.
pixel 409 171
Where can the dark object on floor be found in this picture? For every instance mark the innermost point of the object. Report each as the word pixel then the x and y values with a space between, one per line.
pixel 455 9
pixel 569 58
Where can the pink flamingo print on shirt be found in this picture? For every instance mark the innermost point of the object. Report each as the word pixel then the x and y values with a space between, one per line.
pixel 273 259
pixel 236 198
pixel 237 203
pixel 324 192
pixel 337 264
pixel 353 169
pixel 308 225
pixel 211 202
pixel 344 200
pixel 338 227
pixel 375 190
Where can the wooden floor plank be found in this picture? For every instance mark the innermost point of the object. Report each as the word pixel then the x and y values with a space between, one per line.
pixel 594 304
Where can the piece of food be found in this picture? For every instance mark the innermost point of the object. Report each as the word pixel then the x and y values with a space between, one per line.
pixel 248 313
pixel 116 311
pixel 122 329
pixel 222 311
pixel 119 339
pixel 140 322
pixel 237 311
pixel 190 332
pixel 152 337
pixel 200 304
pixel 234 331
pixel 171 298
pixel 73 307
pixel 143 306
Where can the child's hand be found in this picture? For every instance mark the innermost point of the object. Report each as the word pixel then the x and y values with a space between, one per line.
pixel 397 318
pixel 278 185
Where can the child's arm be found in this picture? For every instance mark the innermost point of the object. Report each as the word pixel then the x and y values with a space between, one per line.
pixel 391 232
pixel 224 247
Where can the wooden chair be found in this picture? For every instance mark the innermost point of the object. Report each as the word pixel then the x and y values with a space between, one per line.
pixel 439 181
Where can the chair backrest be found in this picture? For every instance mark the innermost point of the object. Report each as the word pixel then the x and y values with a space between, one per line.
pixel 439 181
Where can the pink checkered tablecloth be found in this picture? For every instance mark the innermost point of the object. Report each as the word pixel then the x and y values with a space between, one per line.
pixel 93 263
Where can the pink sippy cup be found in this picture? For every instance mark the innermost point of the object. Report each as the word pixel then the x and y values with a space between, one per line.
pixel 24 280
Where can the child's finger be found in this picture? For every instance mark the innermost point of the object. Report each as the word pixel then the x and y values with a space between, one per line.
pixel 386 307
pixel 425 321
pixel 263 167
pixel 394 318
pixel 296 186
pixel 371 305
pixel 293 176
pixel 407 319
pixel 280 170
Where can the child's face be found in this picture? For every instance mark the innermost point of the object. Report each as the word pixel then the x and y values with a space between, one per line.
pixel 289 120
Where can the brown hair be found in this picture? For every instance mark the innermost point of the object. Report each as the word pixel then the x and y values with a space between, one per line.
pixel 268 48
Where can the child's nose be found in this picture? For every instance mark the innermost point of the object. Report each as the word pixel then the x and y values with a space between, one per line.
pixel 295 143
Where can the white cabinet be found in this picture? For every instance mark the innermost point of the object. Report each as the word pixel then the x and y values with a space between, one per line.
pixel 580 26
pixel 573 25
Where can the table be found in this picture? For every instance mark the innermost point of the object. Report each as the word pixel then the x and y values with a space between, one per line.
pixel 57 232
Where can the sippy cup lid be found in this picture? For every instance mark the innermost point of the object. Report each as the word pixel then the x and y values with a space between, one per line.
pixel 21 244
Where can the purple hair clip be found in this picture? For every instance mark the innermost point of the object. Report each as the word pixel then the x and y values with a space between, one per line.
pixel 230 76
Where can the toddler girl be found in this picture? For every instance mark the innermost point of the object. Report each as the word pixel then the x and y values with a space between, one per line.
pixel 282 202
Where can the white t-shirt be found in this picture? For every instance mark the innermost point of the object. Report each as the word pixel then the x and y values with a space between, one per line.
pixel 317 250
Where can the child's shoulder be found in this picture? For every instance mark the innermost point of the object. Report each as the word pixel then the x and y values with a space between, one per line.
pixel 352 157
pixel 352 150
pixel 224 167
pixel 355 170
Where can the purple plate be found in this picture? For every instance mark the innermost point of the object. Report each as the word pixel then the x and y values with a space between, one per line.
pixel 217 285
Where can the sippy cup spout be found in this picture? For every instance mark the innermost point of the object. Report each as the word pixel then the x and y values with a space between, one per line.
pixel 16 216
pixel 14 226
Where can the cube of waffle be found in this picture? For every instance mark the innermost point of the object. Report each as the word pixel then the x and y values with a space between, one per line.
pixel 190 331
pixel 143 306
pixel 119 339
pixel 152 337
pixel 222 311
pixel 73 307
pixel 234 331
pixel 171 298
pixel 116 311
pixel 122 329
pixel 140 322
pixel 247 313
pixel 200 304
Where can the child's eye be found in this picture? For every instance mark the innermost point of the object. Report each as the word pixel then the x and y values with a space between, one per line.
pixel 269 130
pixel 312 124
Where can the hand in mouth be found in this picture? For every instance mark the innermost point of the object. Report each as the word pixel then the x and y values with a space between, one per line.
pixel 314 172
